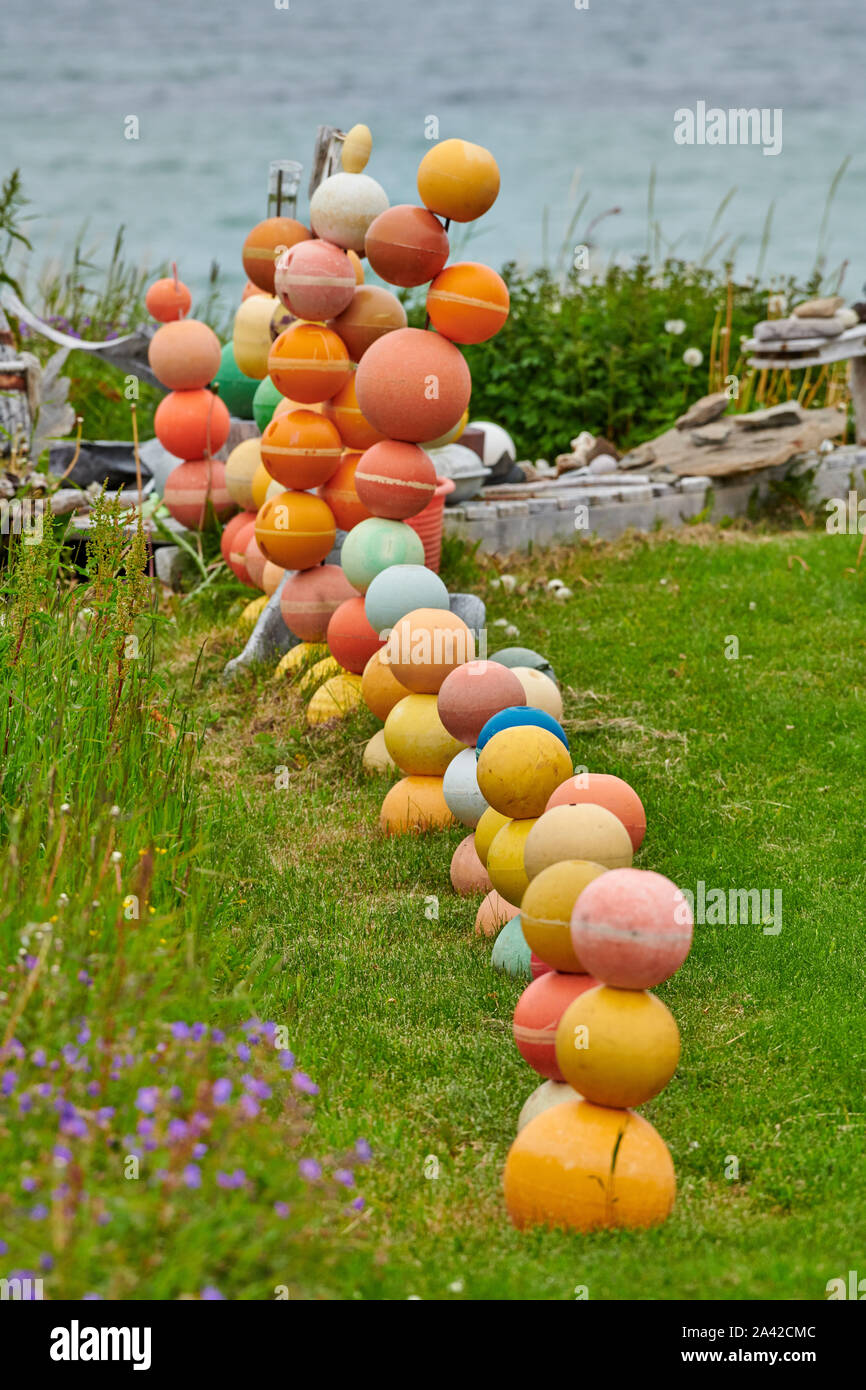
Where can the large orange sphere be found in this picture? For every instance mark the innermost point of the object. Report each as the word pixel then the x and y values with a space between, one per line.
pixel 350 637
pixel 168 300
pixel 301 449
pixel 310 598
pixel 583 1167
pixel 343 410
pixel 413 384
pixel 309 362
pixel 415 803
pixel 260 248
pixel 604 789
pixel 184 355
pixel 373 312
pixel 468 302
pixel 295 530
pixel 458 180
pixel 395 480
pixel 195 493
pixel 192 424
pixel 380 687
pixel 406 245
pixel 426 646
pixel 341 494
pixel 315 280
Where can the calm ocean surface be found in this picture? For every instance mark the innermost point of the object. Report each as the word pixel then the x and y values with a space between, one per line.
pixel 570 101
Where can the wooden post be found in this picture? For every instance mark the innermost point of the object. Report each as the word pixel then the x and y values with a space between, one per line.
pixel 857 382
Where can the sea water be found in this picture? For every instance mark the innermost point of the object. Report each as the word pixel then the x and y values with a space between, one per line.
pixel 574 97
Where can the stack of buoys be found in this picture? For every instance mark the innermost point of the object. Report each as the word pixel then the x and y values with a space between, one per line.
pixel 191 422
pixel 599 935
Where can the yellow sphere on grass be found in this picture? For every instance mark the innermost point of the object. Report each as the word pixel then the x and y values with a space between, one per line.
pixel 417 739
pixel 520 768
pixel 320 672
pixel 249 616
pixel 618 1047
pixel 584 1167
pixel 297 657
pixel 546 908
pixel 458 180
pixel 540 691
pixel 335 699
pixel 585 831
pixel 505 860
pixel 486 830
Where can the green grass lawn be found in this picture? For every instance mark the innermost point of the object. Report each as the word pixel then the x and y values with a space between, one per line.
pixel 289 904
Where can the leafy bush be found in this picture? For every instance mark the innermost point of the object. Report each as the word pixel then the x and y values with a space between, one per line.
pixel 597 356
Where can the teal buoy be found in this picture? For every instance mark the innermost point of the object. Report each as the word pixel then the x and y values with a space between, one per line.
pixel 265 402
pixel 511 952
pixel 233 388
pixel 524 656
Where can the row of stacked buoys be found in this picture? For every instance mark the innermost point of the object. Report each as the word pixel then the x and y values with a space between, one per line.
pixel 191 422
pixel 552 850
pixel 596 935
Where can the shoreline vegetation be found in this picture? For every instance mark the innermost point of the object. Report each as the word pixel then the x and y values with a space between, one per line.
pixel 618 350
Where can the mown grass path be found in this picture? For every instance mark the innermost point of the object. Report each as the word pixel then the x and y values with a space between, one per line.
pixel 751 771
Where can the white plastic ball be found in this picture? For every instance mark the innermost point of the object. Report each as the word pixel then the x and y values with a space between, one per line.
pixel 343 206
pixel 461 791
pixel 399 590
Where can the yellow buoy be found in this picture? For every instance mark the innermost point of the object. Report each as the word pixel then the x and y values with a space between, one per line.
pixel 335 699
pixel 304 654
pixel 356 149
pixel 505 860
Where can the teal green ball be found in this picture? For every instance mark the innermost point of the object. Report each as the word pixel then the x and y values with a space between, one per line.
pixel 401 589
pixel 235 389
pixel 523 656
pixel 265 402
pixel 373 545
pixel 511 951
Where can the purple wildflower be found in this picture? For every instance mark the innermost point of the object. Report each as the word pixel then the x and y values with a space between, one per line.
pixel 29 1184
pixel 248 1107
pixel 209 1294
pixel 199 1150
pixel 62 1154
pixel 38 1213
pixel 222 1089
pixel 310 1169
pixel 282 1209
pixel 180 1031
pixel 363 1150
pixel 344 1177
pixel 177 1131
pixel 192 1175
pixel 147 1098
pixel 287 1060
pixel 304 1083
pixel 243 1052
pixel 8 1082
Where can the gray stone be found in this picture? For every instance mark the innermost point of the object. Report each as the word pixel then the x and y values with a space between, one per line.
pixel 819 308
pixel 692 484
pixel 785 413
pixel 172 565
pixel 470 608
pixel 716 432
pixel 701 413
pixel 269 639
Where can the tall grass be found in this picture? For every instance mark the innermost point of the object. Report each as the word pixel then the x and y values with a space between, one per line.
pixel 152 1144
